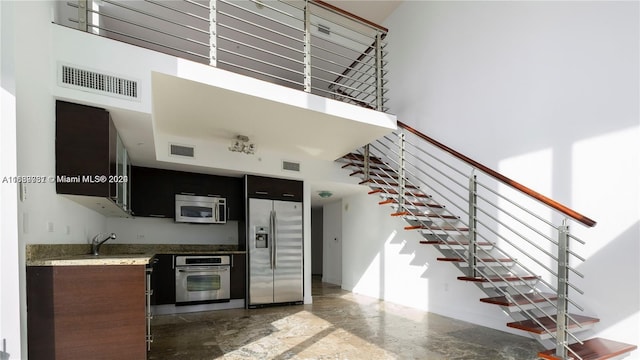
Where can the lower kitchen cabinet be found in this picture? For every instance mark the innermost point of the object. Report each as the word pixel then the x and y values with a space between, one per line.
pixel 237 276
pixel 86 312
pixel 163 280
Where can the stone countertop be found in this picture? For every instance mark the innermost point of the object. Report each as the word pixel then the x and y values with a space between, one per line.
pixel 88 259
pixel 115 254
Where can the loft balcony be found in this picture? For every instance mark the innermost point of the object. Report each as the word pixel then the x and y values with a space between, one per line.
pixel 294 76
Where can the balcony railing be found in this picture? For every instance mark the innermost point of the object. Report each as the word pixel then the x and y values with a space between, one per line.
pixel 306 45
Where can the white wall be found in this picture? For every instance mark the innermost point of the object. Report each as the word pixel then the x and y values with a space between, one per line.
pixel 332 243
pixel 9 245
pixel 546 92
pixel 382 260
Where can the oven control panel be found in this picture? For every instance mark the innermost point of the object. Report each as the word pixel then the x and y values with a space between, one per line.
pixel 202 260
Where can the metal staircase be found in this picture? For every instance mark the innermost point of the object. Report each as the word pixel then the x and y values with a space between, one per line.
pixel 511 242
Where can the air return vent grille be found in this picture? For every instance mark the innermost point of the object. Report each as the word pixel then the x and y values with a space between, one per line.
pixel 324 29
pixel 291 166
pixel 93 81
pixel 181 150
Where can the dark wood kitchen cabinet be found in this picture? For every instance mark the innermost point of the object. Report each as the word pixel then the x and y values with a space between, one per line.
pixel 163 280
pixel 86 312
pixel 85 146
pixel 91 159
pixel 262 187
pixel 152 192
pixel 237 276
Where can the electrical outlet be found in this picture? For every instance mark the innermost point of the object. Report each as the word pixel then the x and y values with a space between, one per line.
pixel 50 226
pixel 140 236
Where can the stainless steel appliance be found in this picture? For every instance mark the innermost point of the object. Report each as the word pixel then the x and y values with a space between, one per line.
pixel 201 209
pixel 202 279
pixel 275 252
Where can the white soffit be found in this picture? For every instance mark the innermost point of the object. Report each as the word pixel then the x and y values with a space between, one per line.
pixel 220 105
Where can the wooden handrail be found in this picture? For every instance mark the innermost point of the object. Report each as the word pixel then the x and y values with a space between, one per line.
pixel 348 14
pixel 545 200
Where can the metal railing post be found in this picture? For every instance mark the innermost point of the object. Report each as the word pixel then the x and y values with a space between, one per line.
pixel 562 337
pixel 401 172
pixel 82 15
pixel 378 42
pixel 213 33
pixel 473 223
pixel 307 47
pixel 367 165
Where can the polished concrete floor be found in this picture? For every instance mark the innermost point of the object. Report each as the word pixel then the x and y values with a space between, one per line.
pixel 338 325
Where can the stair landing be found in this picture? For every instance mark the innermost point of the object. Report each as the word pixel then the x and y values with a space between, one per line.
pixel 593 349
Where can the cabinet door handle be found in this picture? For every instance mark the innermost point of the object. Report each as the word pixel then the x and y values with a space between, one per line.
pixel 214 195
pixel 157 216
pixel 262 192
pixel 289 195
pixel 187 193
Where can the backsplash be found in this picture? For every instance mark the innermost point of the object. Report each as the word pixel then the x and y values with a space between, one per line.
pixel 143 230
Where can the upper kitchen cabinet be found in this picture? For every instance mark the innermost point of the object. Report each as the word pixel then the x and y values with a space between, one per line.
pixel 261 187
pixel 152 192
pixel 92 164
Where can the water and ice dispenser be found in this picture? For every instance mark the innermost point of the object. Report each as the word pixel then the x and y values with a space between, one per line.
pixel 262 237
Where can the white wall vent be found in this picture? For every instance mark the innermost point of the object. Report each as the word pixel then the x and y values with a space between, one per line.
pixel 181 150
pixel 93 81
pixel 290 166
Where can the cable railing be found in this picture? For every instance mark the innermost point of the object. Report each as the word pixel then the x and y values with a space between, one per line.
pixel 307 45
pixel 513 241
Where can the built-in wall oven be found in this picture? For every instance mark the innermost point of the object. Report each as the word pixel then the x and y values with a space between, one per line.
pixel 202 279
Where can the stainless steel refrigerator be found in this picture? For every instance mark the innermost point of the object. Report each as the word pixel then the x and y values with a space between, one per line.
pixel 275 252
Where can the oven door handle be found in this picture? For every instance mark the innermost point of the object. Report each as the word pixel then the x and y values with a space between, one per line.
pixel 213 270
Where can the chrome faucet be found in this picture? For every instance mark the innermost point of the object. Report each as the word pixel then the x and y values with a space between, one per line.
pixel 97 242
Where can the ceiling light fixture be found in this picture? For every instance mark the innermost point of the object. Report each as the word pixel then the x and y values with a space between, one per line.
pixel 324 194
pixel 242 144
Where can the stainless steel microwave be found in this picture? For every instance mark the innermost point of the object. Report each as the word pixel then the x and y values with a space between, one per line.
pixel 201 209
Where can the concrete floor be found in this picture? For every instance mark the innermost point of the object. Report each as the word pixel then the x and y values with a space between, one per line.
pixel 338 325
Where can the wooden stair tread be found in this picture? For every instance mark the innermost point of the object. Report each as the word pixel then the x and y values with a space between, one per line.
pixel 440 216
pixel 520 299
pixel 550 323
pixel 465 260
pixel 411 203
pixel 377 166
pixel 498 279
pixel 593 349
pixel 435 227
pixel 358 157
pixel 440 242
pixel 380 182
pixel 395 192
pixel 381 175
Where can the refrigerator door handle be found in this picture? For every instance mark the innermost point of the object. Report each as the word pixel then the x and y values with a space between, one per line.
pixel 275 240
pixel 271 235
